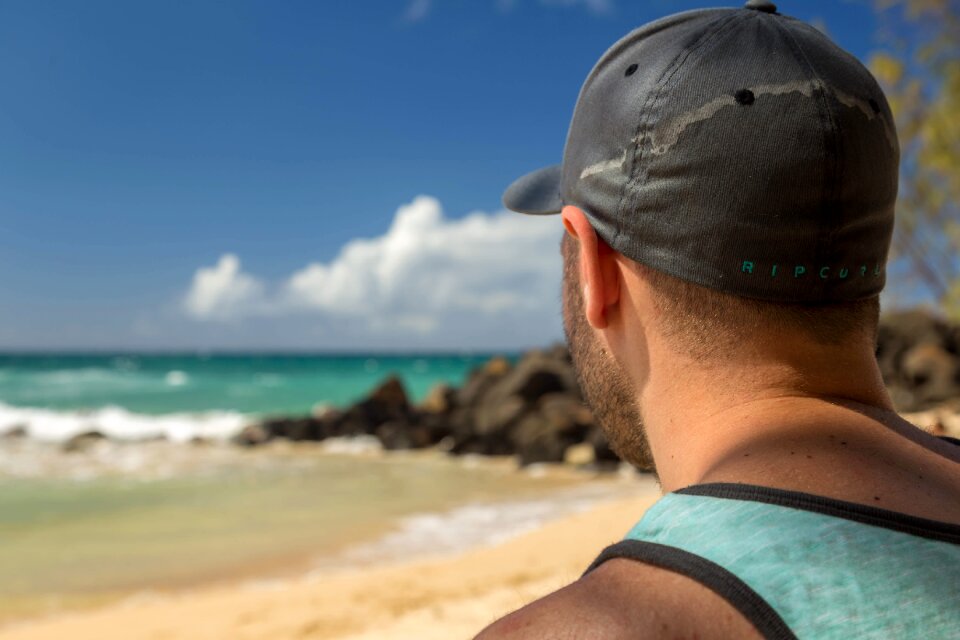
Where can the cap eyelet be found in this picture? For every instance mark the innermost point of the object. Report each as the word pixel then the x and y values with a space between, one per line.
pixel 744 97
pixel 632 69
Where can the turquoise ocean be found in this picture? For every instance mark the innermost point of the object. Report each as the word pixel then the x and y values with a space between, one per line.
pixel 140 512
pixel 52 396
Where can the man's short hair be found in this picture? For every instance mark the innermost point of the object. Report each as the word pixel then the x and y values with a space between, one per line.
pixel 705 322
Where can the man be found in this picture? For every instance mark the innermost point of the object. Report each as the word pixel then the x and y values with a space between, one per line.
pixel 727 189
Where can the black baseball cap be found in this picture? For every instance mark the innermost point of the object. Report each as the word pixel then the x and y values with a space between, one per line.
pixel 738 149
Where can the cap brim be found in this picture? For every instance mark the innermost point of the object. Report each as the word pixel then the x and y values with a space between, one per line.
pixel 536 193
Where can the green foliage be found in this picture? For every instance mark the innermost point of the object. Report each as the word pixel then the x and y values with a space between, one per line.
pixel 919 70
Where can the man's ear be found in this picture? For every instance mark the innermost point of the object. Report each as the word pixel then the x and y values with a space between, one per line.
pixel 599 272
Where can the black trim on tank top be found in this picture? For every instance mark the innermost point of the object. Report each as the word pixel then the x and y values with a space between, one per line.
pixel 864 514
pixel 711 575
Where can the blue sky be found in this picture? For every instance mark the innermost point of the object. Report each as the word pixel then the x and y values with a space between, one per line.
pixel 171 173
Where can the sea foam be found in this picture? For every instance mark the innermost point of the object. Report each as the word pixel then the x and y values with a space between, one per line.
pixel 117 423
pixel 468 526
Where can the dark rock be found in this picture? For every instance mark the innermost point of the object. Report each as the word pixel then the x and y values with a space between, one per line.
pixel 473 446
pixel 543 435
pixel 437 426
pixel 899 332
pixel 387 414
pixel 301 428
pixel 537 439
pixel 390 394
pixel 561 409
pixel 355 423
pixel 602 452
pixel 394 435
pixel 917 353
pixel 441 399
pixel 480 380
pixel 903 398
pixel 931 373
pixel 497 398
pixel 537 374
pixel 446 444
pixel 17 433
pixel 400 435
pixel 82 441
pixel 327 422
pixel 386 403
pixel 462 418
pixel 495 415
pixel 252 435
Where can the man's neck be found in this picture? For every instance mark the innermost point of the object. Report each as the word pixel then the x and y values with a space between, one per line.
pixel 780 426
pixel 707 420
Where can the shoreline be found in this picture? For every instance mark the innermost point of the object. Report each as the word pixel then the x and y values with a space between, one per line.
pixel 433 597
pixel 508 501
pixel 440 535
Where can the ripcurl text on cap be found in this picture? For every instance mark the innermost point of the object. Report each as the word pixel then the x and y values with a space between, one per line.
pixel 738 149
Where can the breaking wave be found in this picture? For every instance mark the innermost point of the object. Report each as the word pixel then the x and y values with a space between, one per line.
pixel 117 423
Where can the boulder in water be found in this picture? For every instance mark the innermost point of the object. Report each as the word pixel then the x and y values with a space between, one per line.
pixel 252 435
pixel 17 433
pixel 388 402
pixel 82 441
pixel 441 399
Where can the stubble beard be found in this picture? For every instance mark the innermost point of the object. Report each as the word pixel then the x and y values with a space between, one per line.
pixel 605 385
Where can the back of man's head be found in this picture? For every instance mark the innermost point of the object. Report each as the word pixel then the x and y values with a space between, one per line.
pixel 740 151
pixel 708 324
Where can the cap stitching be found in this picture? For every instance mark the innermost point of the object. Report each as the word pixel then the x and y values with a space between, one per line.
pixel 832 179
pixel 720 24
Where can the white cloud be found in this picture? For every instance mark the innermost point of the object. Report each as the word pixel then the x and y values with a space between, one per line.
pixel 423 274
pixel 223 292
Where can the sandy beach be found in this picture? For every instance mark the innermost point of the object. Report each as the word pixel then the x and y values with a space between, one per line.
pixel 440 597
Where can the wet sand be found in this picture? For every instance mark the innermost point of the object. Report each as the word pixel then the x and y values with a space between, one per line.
pixel 450 596
pixel 92 527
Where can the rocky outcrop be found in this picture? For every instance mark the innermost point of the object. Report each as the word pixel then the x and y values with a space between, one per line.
pixel 386 414
pixel 533 408
pixel 918 356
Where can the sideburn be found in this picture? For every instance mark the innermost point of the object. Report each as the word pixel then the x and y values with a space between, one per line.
pixel 605 386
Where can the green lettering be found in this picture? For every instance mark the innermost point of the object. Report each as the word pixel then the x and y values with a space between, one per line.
pixel 844 272
pixel 799 270
pixel 863 270
pixel 824 272
pixel 876 270
pixel 773 274
pixel 747 267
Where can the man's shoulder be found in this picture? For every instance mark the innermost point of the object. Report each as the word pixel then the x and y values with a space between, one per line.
pixel 591 604
pixel 625 599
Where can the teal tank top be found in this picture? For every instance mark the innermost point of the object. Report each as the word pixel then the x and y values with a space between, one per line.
pixel 803 566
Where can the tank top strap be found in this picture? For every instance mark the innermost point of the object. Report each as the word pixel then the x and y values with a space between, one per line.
pixel 804 566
